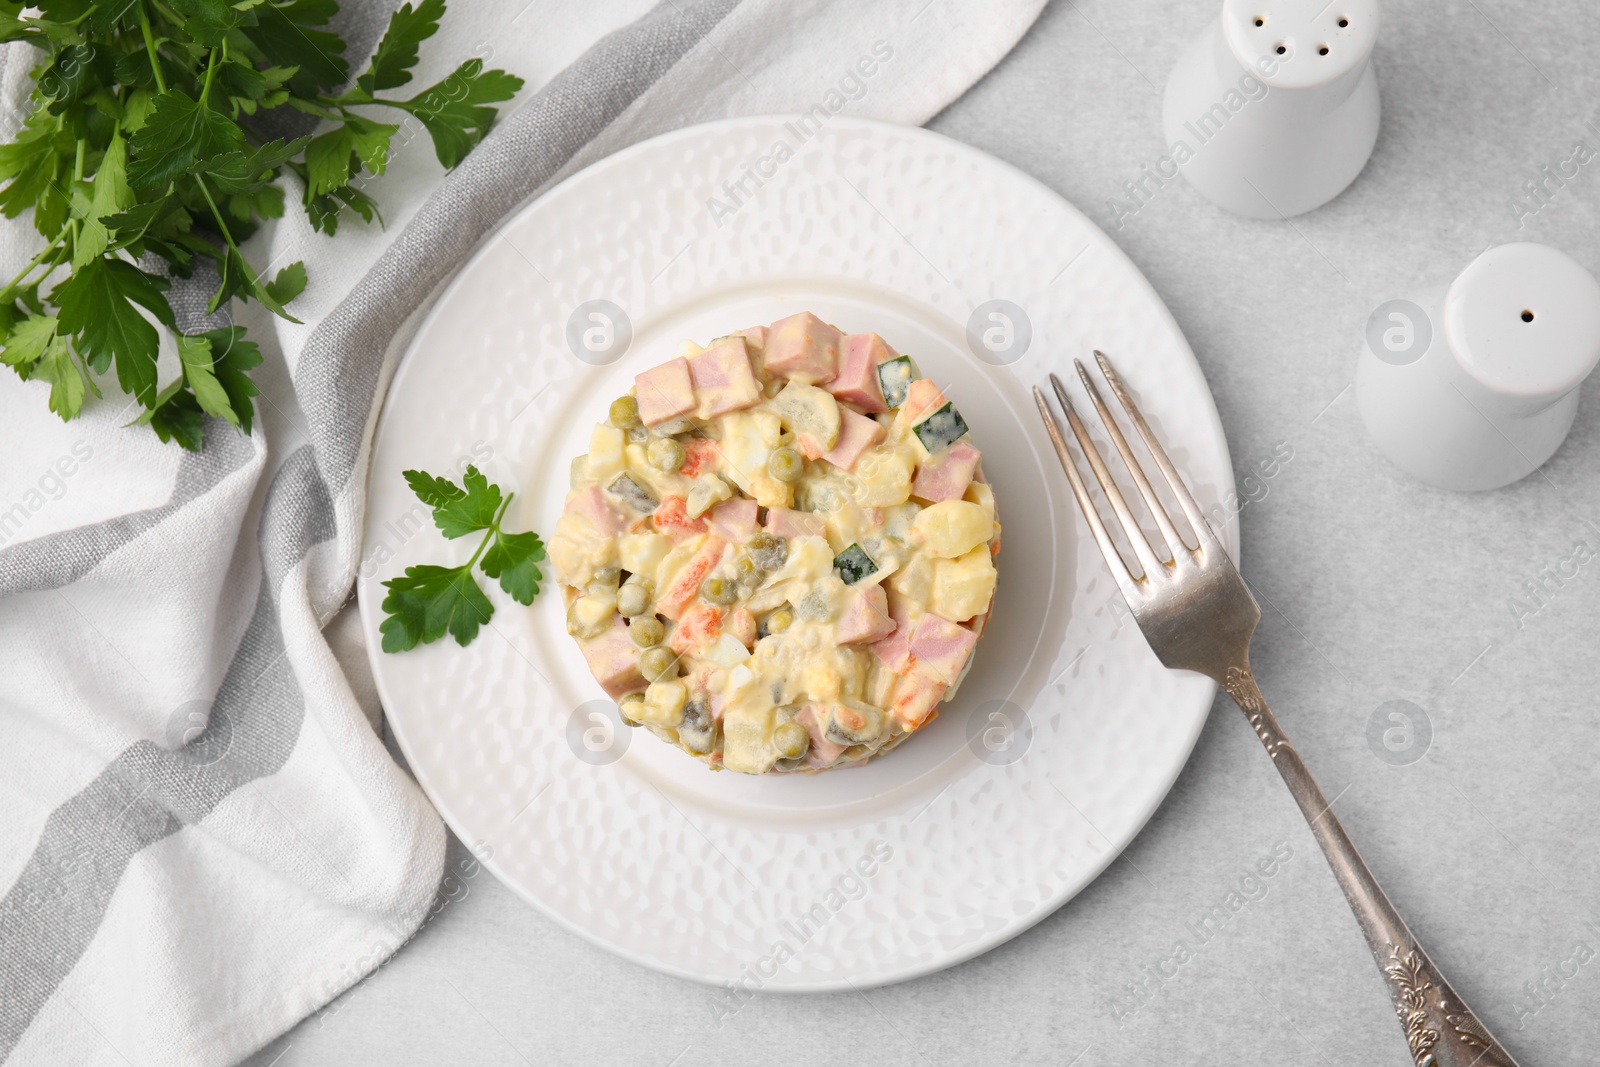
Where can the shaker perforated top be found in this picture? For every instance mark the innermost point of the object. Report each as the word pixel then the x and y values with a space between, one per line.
pixel 1524 319
pixel 1308 43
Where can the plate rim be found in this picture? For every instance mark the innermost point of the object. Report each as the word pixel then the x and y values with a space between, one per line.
pixel 368 609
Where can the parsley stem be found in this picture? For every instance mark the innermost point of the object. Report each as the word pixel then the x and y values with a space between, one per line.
pixel 211 72
pixel 150 46
pixel 494 531
pixel 50 249
pixel 217 214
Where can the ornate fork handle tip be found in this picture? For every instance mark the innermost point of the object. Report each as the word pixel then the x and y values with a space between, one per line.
pixel 1196 612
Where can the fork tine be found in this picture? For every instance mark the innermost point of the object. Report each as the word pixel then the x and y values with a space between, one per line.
pixel 1130 526
pixel 1191 510
pixel 1158 511
pixel 1108 548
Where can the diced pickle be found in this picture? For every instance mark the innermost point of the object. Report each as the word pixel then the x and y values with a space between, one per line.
pixel 942 429
pixel 697 728
pixel 814 607
pixel 854 724
pixel 633 494
pixel 895 376
pixel 767 551
pixel 853 564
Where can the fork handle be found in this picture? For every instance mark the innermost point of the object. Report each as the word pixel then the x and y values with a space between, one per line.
pixel 1440 1029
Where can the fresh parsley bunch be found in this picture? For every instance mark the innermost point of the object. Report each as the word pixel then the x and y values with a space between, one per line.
pixel 142 142
pixel 427 601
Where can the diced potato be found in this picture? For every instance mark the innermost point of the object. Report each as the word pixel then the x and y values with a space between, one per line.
pixel 748 439
pixel 805 409
pixel 726 651
pixel 882 477
pixel 951 528
pixel 980 494
pixel 605 453
pixel 848 525
pixel 810 558
pixel 708 489
pixel 663 703
pixel 575 552
pixel 913 583
pixel 642 553
pixel 591 614
pixel 747 738
pixel 962 586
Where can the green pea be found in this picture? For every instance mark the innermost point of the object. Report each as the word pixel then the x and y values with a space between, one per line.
pixel 658 664
pixel 785 464
pixel 791 740
pixel 780 621
pixel 666 454
pixel 632 599
pixel 624 412
pixel 647 631
pixel 719 590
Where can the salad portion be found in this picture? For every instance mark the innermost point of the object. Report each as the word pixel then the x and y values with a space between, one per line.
pixel 778 552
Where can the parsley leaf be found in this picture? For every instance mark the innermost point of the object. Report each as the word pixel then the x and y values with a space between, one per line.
pixel 455 112
pixel 66 380
pixel 97 305
pixel 428 601
pixel 512 559
pixel 290 282
pixel 433 491
pixel 231 357
pixel 397 52
pixel 472 508
pixel 179 133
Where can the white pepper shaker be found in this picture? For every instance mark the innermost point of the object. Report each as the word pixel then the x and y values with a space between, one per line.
pixel 1273 110
pixel 1475 385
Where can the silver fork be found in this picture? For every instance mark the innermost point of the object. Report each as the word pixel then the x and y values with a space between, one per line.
pixel 1198 615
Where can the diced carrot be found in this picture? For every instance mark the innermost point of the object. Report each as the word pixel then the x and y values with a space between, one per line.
pixel 700 625
pixel 671 517
pixel 686 584
pixel 742 625
pixel 701 454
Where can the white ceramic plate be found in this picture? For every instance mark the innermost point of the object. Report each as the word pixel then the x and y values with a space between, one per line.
pixel 1062 740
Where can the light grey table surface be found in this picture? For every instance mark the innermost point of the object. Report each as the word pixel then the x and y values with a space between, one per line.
pixel 1374 588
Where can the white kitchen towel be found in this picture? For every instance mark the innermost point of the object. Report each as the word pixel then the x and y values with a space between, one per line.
pixel 202 838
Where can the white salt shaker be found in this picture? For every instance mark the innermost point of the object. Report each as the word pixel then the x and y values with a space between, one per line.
pixel 1475 385
pixel 1273 110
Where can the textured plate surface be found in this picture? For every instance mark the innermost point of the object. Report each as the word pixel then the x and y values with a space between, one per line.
pixel 1066 734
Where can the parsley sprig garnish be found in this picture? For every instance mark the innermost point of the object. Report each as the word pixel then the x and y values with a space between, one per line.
pixel 429 601
pixel 145 140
